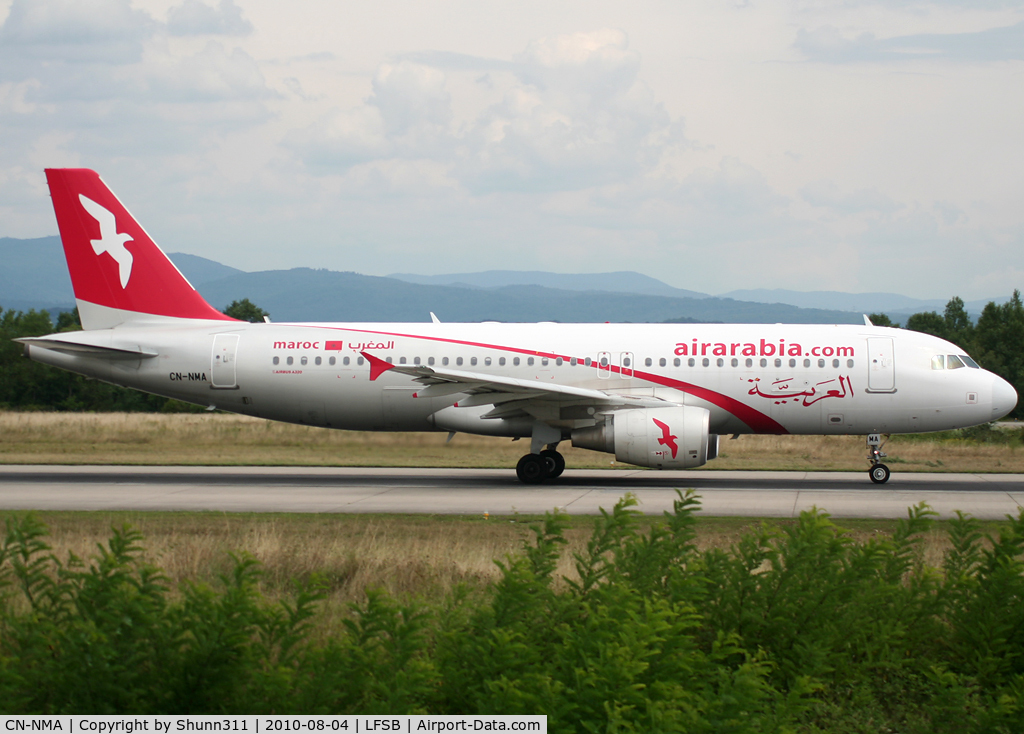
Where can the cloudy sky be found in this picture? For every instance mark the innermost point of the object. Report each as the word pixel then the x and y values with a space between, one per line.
pixel 854 146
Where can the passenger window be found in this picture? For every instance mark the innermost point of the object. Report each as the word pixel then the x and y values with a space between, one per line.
pixel 778 362
pixel 587 362
pixel 389 360
pixel 501 361
pixel 849 363
pixel 939 362
pixel 792 363
pixel 691 362
pixel 807 363
pixel 472 361
pixel 835 362
pixel 604 361
pixel 625 362
pixel 304 360
pixel 291 360
pixel 677 362
pixel 735 362
pixel 572 362
pixel 706 362
pixel 487 361
pixel 764 362
pixel 648 362
pixel 415 360
pixel 953 362
pixel 662 362
pixel 458 361
pixel 529 361
pixel 515 361
pixel 544 361
pixel 749 362
pixel 359 360
pixel 821 363
pixel 318 360
pixel 559 361
pixel 277 360
pixel 720 362
pixel 430 361
pixel 401 360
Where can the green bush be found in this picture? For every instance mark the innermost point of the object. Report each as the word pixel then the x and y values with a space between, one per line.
pixel 797 628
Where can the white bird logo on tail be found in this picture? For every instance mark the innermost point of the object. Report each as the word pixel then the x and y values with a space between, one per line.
pixel 110 241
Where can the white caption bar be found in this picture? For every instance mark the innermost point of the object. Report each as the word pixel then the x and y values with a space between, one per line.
pixel 270 724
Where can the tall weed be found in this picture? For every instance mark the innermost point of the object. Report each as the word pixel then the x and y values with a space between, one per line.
pixel 797 628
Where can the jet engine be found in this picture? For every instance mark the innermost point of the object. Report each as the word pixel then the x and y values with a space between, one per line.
pixel 661 438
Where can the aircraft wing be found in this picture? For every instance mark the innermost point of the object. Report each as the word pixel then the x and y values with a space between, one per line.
pixel 508 395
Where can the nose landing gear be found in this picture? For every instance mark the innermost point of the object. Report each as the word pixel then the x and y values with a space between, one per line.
pixel 878 472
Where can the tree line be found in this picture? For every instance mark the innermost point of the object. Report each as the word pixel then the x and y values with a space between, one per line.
pixel 995 341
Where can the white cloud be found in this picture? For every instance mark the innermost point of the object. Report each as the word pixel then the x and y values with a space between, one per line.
pixel 830 45
pixel 411 96
pixel 212 74
pixel 827 194
pixel 196 18
pixel 567 113
pixel 106 31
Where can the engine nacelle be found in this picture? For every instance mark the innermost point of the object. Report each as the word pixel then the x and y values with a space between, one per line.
pixel 661 438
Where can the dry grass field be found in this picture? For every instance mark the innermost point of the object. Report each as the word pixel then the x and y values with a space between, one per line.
pixel 419 558
pixel 223 439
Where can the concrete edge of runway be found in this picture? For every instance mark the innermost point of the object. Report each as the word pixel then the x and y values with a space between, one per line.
pixel 496 491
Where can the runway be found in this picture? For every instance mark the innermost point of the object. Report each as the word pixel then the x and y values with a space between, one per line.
pixel 495 491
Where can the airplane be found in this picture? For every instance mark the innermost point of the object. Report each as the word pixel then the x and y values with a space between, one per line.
pixel 654 395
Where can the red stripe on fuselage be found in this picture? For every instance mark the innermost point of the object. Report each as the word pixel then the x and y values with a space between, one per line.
pixel 755 419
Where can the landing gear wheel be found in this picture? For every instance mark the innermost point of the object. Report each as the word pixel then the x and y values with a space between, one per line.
pixel 532 469
pixel 879 473
pixel 555 462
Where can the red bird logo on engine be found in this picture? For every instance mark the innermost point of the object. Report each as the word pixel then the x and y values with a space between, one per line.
pixel 667 439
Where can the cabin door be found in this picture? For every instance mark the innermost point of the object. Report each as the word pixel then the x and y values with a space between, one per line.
pixel 222 369
pixel 881 365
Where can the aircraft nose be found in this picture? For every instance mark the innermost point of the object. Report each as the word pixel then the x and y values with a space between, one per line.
pixel 1004 397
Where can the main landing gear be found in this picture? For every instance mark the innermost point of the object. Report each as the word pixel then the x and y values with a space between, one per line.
pixel 537 468
pixel 878 472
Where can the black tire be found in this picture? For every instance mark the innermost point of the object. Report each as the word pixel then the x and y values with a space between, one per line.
pixel 532 469
pixel 879 473
pixel 556 463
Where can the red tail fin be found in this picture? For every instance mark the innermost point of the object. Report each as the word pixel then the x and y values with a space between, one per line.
pixel 118 273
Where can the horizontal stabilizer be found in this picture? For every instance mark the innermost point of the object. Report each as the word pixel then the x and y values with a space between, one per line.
pixel 86 343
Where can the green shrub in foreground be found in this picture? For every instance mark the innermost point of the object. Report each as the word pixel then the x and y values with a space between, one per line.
pixel 792 629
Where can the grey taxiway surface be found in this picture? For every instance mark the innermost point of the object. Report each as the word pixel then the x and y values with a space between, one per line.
pixel 495 491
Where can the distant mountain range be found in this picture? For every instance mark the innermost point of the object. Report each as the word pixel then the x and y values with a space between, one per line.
pixel 892 304
pixel 620 282
pixel 34 275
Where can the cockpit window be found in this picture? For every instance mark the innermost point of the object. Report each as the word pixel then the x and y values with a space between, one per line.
pixel 953 362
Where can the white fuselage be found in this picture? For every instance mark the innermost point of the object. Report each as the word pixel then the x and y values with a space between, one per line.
pixel 752 378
